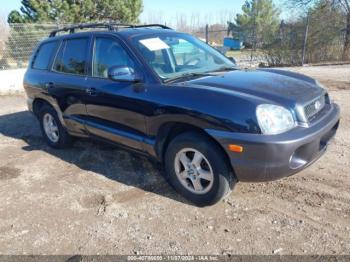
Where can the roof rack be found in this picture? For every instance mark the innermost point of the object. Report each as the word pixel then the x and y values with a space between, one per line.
pixel 109 26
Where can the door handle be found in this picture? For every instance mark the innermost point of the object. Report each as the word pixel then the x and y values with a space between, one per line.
pixel 91 91
pixel 49 85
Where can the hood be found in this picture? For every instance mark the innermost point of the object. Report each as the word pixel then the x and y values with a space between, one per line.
pixel 282 87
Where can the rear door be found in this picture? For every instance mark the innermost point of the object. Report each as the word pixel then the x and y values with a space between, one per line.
pixel 68 81
pixel 37 74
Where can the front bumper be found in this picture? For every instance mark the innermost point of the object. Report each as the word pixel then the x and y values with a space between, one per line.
pixel 270 157
pixel 30 103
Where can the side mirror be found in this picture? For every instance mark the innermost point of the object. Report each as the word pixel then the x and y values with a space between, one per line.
pixel 122 73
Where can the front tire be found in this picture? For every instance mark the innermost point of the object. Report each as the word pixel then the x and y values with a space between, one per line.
pixel 197 168
pixel 52 130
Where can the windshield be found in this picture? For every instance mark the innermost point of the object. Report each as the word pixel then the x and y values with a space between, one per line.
pixel 173 56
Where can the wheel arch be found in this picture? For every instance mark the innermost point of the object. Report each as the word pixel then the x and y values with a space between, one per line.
pixel 39 102
pixel 170 130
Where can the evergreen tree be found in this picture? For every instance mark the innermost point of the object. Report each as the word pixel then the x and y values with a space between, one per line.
pixel 324 41
pixel 342 6
pixel 258 23
pixel 38 13
pixel 76 11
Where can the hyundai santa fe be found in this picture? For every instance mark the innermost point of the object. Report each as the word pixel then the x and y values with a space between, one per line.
pixel 174 98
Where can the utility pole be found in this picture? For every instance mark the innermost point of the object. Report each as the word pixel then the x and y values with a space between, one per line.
pixel 305 38
pixel 207 33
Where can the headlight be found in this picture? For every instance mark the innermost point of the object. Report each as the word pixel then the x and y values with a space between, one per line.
pixel 274 119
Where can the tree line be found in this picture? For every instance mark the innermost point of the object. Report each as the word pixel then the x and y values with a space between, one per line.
pixel 36 18
pixel 258 25
pixel 321 31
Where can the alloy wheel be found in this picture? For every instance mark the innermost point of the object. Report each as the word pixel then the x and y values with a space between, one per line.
pixel 194 171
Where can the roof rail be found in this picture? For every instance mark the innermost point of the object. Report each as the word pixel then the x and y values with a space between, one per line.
pixel 153 25
pixel 109 26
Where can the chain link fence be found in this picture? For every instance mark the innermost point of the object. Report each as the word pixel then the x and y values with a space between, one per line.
pixel 18 41
pixel 293 44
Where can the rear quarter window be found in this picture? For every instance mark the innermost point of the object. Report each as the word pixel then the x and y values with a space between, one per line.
pixel 43 55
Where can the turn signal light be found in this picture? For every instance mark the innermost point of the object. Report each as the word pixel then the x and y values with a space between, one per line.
pixel 235 148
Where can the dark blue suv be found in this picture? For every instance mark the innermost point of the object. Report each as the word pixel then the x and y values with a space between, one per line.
pixel 172 97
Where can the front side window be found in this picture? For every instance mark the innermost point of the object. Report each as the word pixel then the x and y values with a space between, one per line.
pixel 172 56
pixel 107 53
pixel 72 56
pixel 43 55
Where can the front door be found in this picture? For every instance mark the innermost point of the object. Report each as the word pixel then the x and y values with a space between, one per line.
pixel 114 108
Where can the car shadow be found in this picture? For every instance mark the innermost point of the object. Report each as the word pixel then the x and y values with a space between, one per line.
pixel 113 162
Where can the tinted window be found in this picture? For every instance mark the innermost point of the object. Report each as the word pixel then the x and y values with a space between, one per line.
pixel 108 53
pixel 42 57
pixel 72 56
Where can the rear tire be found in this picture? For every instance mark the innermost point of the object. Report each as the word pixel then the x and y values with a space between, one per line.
pixel 52 130
pixel 197 168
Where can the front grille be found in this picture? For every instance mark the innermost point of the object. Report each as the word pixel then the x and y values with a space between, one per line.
pixel 314 107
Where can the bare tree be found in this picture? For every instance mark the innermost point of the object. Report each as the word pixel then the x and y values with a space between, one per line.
pixel 154 17
pixel 344 5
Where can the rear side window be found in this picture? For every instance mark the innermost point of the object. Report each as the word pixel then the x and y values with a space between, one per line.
pixel 43 55
pixel 72 57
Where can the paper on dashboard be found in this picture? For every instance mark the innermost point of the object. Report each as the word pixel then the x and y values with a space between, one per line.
pixel 154 44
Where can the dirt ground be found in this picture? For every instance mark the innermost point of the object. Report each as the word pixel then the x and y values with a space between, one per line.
pixel 97 199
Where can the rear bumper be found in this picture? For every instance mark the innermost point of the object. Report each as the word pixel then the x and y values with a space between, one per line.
pixel 270 157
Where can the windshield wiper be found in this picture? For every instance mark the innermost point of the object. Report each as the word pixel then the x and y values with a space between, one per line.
pixel 225 68
pixel 186 75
